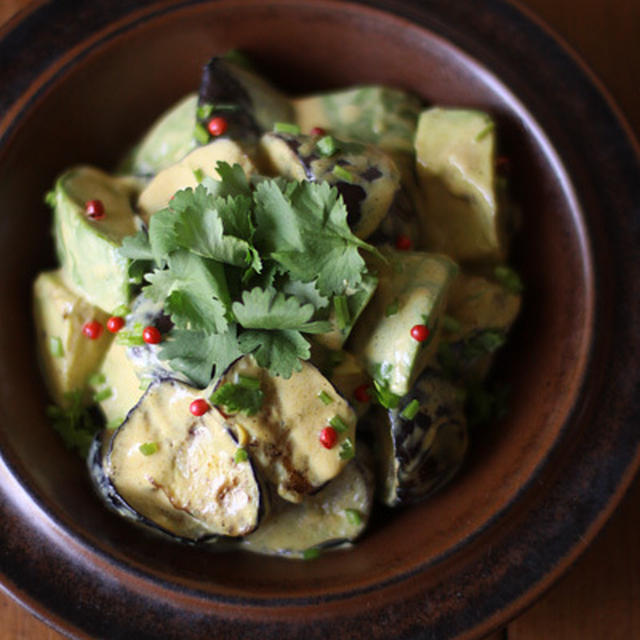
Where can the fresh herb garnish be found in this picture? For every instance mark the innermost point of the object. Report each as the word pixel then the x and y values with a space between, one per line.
pixel 342 174
pixel 385 396
pixel 237 398
pixel 148 448
pixel 347 450
pixel 244 270
pixel 411 410
pixel 55 347
pixel 241 455
pixel 75 422
pixel 353 516
pixel 103 394
pixel 327 146
pixel 509 279
pixel 338 424
pixel 286 127
pixel 325 397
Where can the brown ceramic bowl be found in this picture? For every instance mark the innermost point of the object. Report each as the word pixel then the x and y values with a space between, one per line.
pixel 80 81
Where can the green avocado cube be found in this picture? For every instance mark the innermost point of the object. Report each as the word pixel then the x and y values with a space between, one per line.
pixel 87 247
pixel 455 162
pixel 412 292
pixel 68 357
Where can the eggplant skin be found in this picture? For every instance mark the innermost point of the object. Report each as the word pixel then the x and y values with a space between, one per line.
pixel 115 502
pixel 418 456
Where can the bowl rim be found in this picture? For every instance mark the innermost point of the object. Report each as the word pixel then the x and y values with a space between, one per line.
pixel 532 31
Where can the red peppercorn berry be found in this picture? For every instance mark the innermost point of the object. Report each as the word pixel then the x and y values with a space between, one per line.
pixel 217 126
pixel 92 329
pixel 361 393
pixel 151 335
pixel 420 332
pixel 94 209
pixel 318 131
pixel 199 407
pixel 328 437
pixel 115 323
pixel 403 243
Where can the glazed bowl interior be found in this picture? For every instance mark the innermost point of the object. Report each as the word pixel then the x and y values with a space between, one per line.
pixel 96 105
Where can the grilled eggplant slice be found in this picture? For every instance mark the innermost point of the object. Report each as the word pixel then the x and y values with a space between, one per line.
pixel 180 473
pixel 333 517
pixel 366 177
pixel 281 429
pixel 248 103
pixel 421 444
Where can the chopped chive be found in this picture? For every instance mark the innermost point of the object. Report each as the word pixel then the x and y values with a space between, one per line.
pixel 342 311
pixel 103 394
pixel 342 174
pixel 198 174
pixel 96 379
pixel 450 324
pixel 114 423
pixel 338 424
pixel 248 382
pixel 204 111
pixel 411 410
pixel 353 516
pixel 201 134
pixel 241 455
pixel 325 397
pixel 286 127
pixel 311 554
pixel 392 308
pixel 148 448
pixel 347 450
pixel 485 132
pixel 508 278
pixel 121 310
pixel 327 146
pixel 55 347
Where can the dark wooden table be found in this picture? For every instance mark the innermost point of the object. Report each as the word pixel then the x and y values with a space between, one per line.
pixel 599 598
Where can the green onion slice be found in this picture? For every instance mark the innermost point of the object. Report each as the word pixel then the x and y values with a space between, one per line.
pixel 286 127
pixel 338 424
pixel 411 410
pixel 148 448
pixel 353 516
pixel 325 397
pixel 342 174
pixel 55 347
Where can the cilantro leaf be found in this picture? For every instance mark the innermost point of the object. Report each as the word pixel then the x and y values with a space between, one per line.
pixel 200 356
pixel 238 398
pixel 194 222
pixel 194 290
pixel 75 423
pixel 303 226
pixel 270 309
pixel 280 351
pixel 233 181
pixel 136 247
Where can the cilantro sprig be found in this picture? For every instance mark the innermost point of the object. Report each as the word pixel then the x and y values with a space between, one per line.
pixel 245 268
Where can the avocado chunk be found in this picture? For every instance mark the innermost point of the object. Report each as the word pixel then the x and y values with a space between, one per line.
pixel 116 386
pixel 168 140
pixel 422 443
pixel 344 320
pixel 247 102
pixel 412 290
pixel 365 177
pixel 180 472
pixel 88 249
pixel 67 356
pixel 281 431
pixel 189 172
pixel 480 313
pixel 333 517
pixel 382 116
pixel 455 156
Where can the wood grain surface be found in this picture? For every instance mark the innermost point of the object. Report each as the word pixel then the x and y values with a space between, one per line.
pixel 599 598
